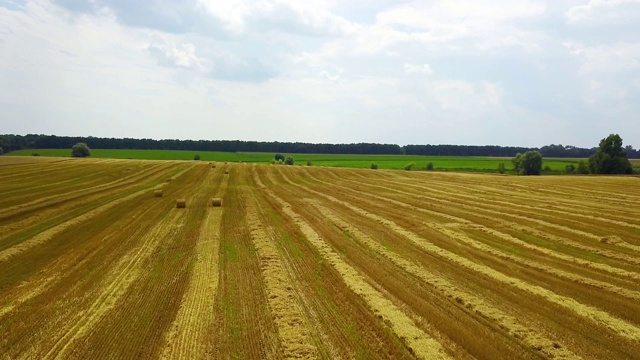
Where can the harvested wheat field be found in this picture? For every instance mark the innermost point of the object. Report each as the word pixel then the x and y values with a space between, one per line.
pixel 309 262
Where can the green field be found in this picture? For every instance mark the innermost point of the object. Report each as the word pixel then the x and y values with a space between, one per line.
pixel 442 163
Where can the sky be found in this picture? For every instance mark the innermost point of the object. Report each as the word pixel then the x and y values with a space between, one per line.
pixel 467 72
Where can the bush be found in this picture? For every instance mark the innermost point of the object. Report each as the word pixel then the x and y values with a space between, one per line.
pixel 279 157
pixel 501 168
pixel 430 166
pixel 529 163
pixel 570 169
pixel 409 166
pixel 547 168
pixel 80 150
pixel 289 160
pixel 273 162
pixel 374 166
pixel 196 157
pixel 35 154
pixel 309 163
pixel 582 168
pixel 279 162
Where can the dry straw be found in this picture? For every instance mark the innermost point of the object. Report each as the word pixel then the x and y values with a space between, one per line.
pixel 181 203
pixel 157 193
pixel 216 202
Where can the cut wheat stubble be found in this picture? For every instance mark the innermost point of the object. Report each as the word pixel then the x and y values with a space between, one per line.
pixel 421 343
pixel 616 325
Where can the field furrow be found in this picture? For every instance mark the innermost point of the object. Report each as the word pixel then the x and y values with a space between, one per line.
pixel 612 323
pixel 285 306
pixel 421 343
pixel 157 292
pixel 461 222
pixel 530 336
pixel 541 207
pixel 195 320
pixel 245 325
pixel 55 213
pixel 116 285
pixel 344 325
pixel 48 234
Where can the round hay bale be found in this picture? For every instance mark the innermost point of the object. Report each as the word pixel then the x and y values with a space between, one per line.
pixel 213 166
pixel 181 203
pixel 226 172
pixel 225 163
pixel 216 202
pixel 157 193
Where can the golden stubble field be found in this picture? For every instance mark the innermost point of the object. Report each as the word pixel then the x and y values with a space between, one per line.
pixel 309 262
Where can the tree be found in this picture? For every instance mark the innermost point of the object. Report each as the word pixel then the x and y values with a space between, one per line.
pixel 80 150
pixel 289 160
pixel 610 158
pixel 517 163
pixel 279 157
pixel 529 163
pixel 429 165
pixel 501 168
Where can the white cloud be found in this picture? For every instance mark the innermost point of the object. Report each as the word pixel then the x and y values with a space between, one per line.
pixel 609 58
pixel 181 55
pixel 292 17
pixel 417 69
pixel 331 78
pixel 440 26
pixel 597 12
pixel 463 97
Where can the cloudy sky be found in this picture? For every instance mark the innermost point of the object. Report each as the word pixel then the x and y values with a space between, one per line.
pixel 505 72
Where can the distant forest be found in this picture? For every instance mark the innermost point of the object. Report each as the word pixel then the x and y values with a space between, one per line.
pixel 10 143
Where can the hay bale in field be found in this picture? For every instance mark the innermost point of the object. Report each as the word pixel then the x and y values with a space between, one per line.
pixel 226 172
pixel 181 203
pixel 169 180
pixel 225 163
pixel 213 166
pixel 216 202
pixel 157 193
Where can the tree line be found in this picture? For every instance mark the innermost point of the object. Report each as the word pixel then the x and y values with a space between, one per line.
pixel 610 158
pixel 10 143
